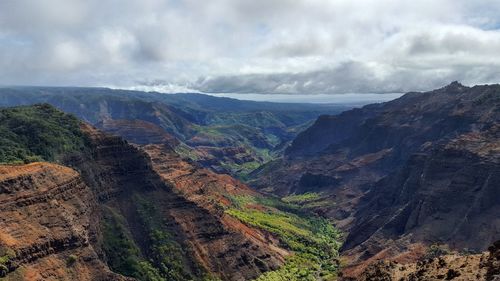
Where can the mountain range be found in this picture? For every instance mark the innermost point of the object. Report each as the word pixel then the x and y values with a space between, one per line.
pixel 101 184
pixel 420 170
pixel 226 135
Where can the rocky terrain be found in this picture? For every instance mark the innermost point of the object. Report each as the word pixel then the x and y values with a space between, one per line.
pixel 459 267
pixel 130 212
pixel 46 225
pixel 420 169
pixel 411 183
pixel 137 131
pixel 448 196
pixel 125 177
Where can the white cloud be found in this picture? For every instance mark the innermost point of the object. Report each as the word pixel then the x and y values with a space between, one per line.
pixel 262 46
pixel 66 55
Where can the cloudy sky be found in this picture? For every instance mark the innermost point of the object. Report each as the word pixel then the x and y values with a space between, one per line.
pixel 251 46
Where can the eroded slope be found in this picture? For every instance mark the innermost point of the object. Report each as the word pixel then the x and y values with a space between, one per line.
pixel 46 229
pixel 180 211
pixel 420 169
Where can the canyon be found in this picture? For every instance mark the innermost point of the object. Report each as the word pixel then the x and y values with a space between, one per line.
pixel 225 135
pixel 153 190
pixel 117 211
pixel 422 169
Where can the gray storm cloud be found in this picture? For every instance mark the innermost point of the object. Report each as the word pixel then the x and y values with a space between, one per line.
pixel 250 46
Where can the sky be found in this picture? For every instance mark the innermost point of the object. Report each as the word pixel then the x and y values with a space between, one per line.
pixel 261 47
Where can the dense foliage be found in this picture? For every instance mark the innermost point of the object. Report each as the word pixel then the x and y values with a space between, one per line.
pixel 123 255
pixel 164 259
pixel 301 198
pixel 39 132
pixel 313 240
pixel 165 253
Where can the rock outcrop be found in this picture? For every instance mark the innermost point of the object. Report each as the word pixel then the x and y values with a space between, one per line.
pixel 186 197
pixel 120 213
pixel 423 168
pixel 221 243
pixel 447 196
pixel 459 267
pixel 46 228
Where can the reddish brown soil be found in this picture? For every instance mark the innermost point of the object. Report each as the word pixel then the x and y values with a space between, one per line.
pixel 46 214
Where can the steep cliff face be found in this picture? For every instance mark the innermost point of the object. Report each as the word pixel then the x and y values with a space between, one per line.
pixel 445 196
pixel 330 129
pixel 173 199
pixel 448 195
pixel 239 251
pixel 121 213
pixel 404 124
pixel 420 169
pixel 196 183
pixel 46 225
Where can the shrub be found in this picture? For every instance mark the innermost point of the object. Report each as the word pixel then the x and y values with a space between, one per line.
pixel 3 270
pixel 7 255
pixel 122 253
pixel 436 250
pixel 71 260
pixel 161 259
pixel 166 254
pixel 302 198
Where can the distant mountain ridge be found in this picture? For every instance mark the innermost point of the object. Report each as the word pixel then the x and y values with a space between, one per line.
pixel 401 119
pixel 215 127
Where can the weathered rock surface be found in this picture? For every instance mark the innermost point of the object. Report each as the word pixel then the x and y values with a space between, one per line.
pixel 51 216
pixel 423 168
pixel 186 195
pixel 459 267
pixel 46 229
pixel 222 244
pixel 448 196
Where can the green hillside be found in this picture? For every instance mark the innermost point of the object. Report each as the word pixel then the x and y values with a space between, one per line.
pixel 36 133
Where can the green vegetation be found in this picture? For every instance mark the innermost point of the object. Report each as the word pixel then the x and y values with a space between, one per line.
pixel 314 241
pixel 195 120
pixel 308 200
pixel 123 255
pixel 240 171
pixel 3 269
pixel 436 250
pixel 71 260
pixel 36 133
pixel 6 255
pixel 302 198
pixel 243 169
pixel 186 152
pixel 163 260
pixel 258 146
pixel 257 119
pixel 166 254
